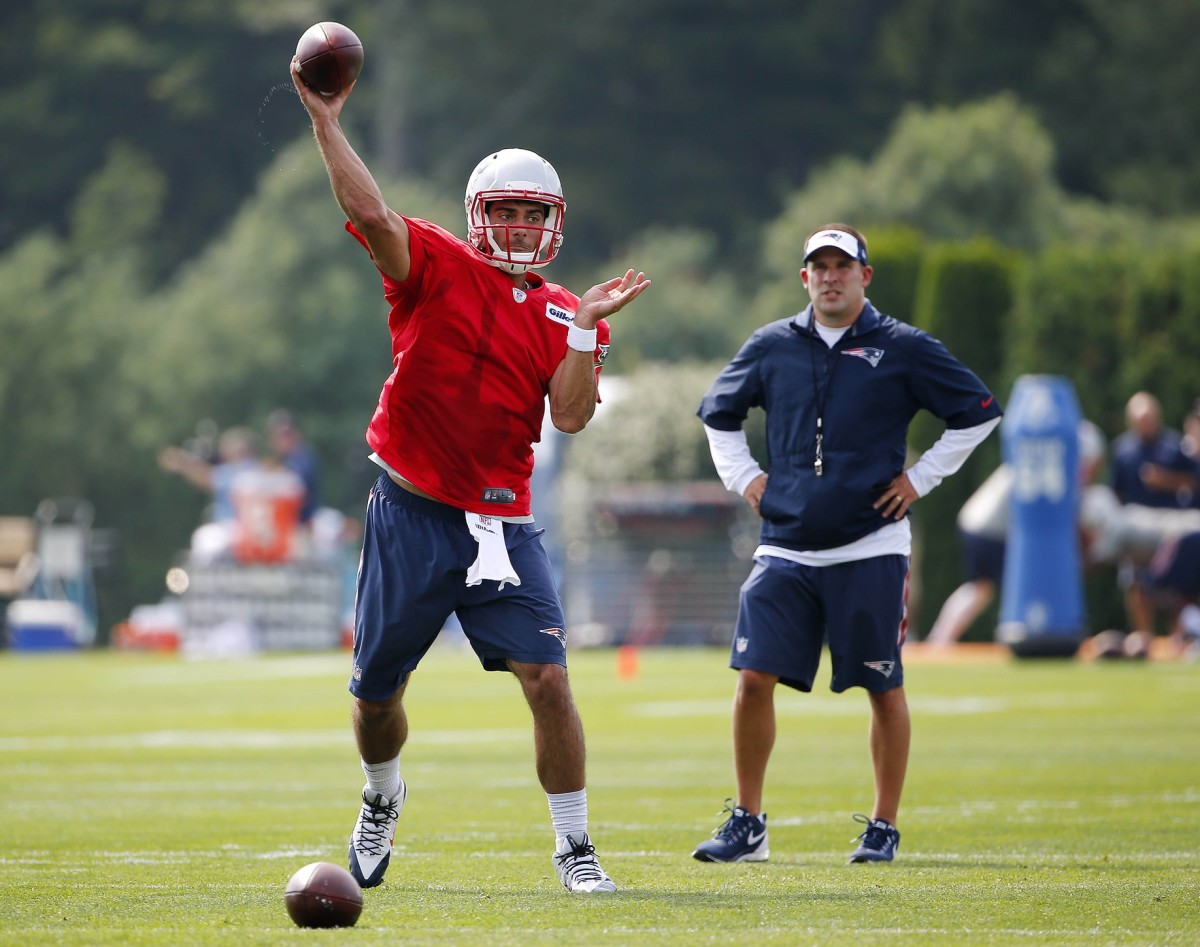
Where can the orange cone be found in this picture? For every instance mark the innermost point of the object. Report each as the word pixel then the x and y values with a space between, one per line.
pixel 627 662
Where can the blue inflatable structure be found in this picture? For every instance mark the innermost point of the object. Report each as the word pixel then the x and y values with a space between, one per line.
pixel 1042 601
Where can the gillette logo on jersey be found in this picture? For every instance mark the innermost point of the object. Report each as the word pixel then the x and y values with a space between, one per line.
pixel 839 239
pixel 558 314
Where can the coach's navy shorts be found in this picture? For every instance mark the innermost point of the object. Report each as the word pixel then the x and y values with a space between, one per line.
pixel 412 577
pixel 787 610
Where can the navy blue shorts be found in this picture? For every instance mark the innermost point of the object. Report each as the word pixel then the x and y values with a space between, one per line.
pixel 412 577
pixel 982 557
pixel 787 611
pixel 1175 567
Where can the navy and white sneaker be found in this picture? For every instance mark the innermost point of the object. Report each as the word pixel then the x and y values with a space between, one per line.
pixel 740 838
pixel 577 868
pixel 878 843
pixel 374 832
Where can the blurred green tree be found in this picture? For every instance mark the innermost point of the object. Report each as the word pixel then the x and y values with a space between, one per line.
pixel 983 169
pixel 189 82
pixel 1120 139
pixel 964 297
pixel 693 312
pixel 646 429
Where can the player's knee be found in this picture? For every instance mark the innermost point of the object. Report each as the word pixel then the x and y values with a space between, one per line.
pixel 755 685
pixel 890 701
pixel 371 710
pixel 543 683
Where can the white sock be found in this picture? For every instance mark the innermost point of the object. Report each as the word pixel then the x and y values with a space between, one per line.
pixel 384 778
pixel 568 812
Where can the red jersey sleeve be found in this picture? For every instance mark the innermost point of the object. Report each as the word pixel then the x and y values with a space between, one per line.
pixel 603 337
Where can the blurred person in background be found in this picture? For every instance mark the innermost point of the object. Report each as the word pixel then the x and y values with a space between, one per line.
pixel 289 446
pixel 840 383
pixel 238 461
pixel 1189 443
pixel 1173 584
pixel 1149 466
pixel 238 453
pixel 480 343
pixel 982 532
pixel 1149 469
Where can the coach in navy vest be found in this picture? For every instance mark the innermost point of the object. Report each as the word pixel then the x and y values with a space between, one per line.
pixel 840 383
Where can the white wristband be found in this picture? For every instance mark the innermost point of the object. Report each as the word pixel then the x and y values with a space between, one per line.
pixel 581 340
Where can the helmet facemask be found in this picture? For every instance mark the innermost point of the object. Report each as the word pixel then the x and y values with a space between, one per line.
pixel 514 175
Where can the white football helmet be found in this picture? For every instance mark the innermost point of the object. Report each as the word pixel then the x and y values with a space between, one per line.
pixel 515 175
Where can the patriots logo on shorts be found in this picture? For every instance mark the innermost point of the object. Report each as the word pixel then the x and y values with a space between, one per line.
pixel 866 354
pixel 883 667
pixel 555 633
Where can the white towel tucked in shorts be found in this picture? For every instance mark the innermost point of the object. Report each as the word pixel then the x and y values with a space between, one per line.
pixel 492 562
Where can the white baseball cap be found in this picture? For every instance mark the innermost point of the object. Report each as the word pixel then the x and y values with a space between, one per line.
pixel 846 242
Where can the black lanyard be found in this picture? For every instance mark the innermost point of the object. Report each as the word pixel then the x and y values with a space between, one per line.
pixel 820 395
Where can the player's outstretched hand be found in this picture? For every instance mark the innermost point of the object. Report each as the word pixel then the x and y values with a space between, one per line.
pixel 608 297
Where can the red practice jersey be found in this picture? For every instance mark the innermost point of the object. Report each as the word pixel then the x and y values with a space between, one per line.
pixel 473 356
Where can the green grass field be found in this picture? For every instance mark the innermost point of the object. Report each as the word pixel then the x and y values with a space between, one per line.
pixel 150 800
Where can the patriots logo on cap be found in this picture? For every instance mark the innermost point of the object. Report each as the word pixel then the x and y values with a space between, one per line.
pixel 846 242
pixel 866 354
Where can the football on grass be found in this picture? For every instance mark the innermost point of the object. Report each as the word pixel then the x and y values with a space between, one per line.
pixel 323 895
pixel 330 56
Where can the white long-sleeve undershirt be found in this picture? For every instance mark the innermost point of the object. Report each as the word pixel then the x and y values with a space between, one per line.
pixel 737 467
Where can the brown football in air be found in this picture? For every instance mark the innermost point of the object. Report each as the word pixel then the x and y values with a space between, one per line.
pixel 323 895
pixel 330 56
